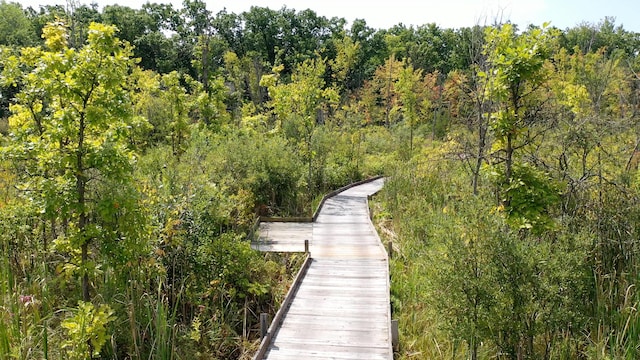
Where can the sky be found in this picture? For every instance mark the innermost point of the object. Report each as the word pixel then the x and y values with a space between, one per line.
pixel 445 13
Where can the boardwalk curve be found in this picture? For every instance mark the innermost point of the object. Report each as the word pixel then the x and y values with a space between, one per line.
pixel 341 308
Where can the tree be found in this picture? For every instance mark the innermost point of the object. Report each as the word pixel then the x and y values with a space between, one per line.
pixel 381 90
pixel 297 105
pixel 15 27
pixel 605 35
pixel 517 64
pixel 69 129
pixel 430 51
pixel 197 33
pixel 131 23
pixel 235 77
pixel 343 66
pixel 261 32
pixel 467 92
pixel 157 51
pixel 412 96
pixel 373 52
pixel 228 27
pixel 79 17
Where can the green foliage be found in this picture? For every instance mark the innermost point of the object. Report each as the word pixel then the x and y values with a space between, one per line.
pixel 517 73
pixel 24 307
pixel 145 182
pixel 517 68
pixel 489 289
pixel 532 195
pixel 200 204
pixel 69 128
pixel 297 103
pixel 15 27
pixel 300 105
pixel 87 331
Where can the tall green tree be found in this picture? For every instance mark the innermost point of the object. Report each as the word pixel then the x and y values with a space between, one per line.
pixel 298 104
pixel 158 50
pixel 69 131
pixel 343 66
pixel 131 23
pixel 261 32
pixel 517 66
pixel 15 27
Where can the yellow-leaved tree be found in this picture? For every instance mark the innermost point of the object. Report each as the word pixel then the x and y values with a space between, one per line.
pixel 70 129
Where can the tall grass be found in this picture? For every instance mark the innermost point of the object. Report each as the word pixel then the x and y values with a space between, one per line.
pixel 162 330
pixel 24 310
pixel 616 328
pixel 576 284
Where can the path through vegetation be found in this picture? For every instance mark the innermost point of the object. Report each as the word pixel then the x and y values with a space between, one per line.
pixel 341 309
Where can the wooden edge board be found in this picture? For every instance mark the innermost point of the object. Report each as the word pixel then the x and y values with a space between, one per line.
pixel 388 280
pixel 277 319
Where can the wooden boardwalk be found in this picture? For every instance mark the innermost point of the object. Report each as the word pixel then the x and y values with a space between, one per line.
pixel 341 308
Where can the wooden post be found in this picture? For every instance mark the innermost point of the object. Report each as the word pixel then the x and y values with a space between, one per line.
pixel 395 335
pixel 263 325
pixel 390 249
pixel 306 246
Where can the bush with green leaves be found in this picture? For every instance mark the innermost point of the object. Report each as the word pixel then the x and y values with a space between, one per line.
pixel 86 331
pixel 464 274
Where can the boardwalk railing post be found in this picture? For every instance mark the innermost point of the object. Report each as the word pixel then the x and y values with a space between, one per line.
pixel 395 335
pixel 390 249
pixel 263 325
pixel 306 246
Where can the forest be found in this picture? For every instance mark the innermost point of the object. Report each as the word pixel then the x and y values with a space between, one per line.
pixel 137 147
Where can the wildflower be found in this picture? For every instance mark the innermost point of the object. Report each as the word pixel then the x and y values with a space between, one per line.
pixel 27 300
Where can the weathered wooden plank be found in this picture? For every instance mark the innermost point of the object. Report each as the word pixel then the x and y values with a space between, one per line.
pixel 336 292
pixel 333 322
pixel 346 275
pixel 298 351
pixel 352 337
pixel 338 300
pixel 368 290
pixel 328 312
pixel 316 343
pixel 302 306
pixel 341 263
pixel 355 265
pixel 347 253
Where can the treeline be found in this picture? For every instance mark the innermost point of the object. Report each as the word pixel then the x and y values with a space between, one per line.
pixel 193 41
pixel 138 145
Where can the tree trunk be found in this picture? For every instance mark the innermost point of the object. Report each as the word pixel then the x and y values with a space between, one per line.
pixel 85 275
pixel 310 175
pixel 509 165
pixel 410 139
pixel 81 184
pixel 388 109
pixel 482 143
